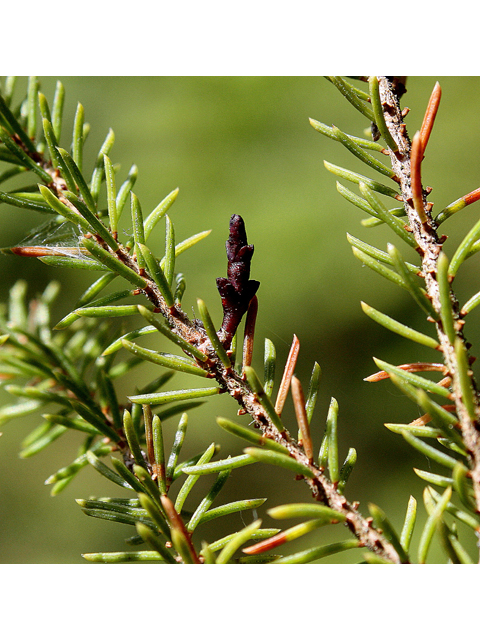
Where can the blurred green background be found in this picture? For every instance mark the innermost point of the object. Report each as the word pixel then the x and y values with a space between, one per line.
pixel 244 145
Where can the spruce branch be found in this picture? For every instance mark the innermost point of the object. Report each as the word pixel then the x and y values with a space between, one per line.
pixel 88 403
pixel 66 192
pixel 406 163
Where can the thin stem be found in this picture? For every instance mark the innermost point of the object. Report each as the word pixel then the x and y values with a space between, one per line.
pixel 287 375
pixel 249 332
pixel 430 114
pixel 416 182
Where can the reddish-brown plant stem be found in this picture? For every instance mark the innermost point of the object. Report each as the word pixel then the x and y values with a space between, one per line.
pixel 430 114
pixel 249 336
pixel 287 375
pixel 472 197
pixel 304 428
pixel 413 367
pixel 416 179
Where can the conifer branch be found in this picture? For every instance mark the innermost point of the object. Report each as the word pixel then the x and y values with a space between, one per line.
pixel 209 353
pixel 242 290
pixel 406 165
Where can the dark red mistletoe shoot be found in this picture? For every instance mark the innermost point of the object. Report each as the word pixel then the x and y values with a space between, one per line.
pixel 236 290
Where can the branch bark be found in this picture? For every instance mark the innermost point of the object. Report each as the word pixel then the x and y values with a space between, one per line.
pixel 430 247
